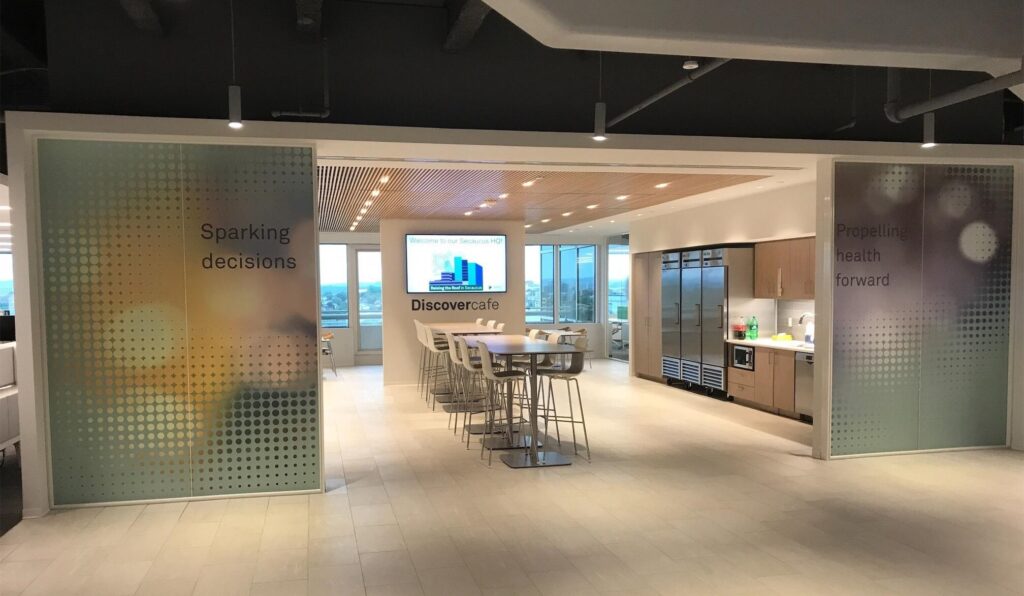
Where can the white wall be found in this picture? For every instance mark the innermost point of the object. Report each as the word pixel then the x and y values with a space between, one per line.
pixel 772 215
pixel 401 350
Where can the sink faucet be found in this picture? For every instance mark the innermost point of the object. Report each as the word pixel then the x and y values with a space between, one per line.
pixel 809 330
pixel 806 315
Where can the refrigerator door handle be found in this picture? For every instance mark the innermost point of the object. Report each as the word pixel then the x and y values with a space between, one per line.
pixel 679 314
pixel 700 315
pixel 721 316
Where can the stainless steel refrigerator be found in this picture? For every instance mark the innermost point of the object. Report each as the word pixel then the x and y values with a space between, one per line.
pixel 695 294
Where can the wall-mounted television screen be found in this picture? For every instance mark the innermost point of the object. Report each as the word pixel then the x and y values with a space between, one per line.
pixel 448 263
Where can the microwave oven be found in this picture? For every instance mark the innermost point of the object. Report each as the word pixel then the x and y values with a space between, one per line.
pixel 743 357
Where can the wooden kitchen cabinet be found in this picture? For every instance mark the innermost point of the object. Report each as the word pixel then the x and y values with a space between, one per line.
pixel 773 378
pixel 784 380
pixel 764 376
pixel 784 269
pixel 645 315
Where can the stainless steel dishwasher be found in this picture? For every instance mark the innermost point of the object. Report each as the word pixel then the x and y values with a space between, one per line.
pixel 805 385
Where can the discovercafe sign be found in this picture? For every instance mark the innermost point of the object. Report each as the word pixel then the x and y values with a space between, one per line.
pixel 419 304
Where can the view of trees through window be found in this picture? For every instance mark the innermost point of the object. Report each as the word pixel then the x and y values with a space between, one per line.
pixel 577 290
pixel 618 281
pixel 334 285
pixel 540 283
pixel 6 283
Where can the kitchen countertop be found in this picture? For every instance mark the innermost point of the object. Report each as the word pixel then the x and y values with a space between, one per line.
pixel 764 342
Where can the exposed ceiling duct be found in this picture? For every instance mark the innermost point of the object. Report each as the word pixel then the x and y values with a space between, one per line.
pixel 897 113
pixel 465 18
pixel 691 76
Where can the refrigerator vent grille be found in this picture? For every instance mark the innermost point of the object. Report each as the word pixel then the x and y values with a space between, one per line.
pixel 670 367
pixel 714 377
pixel 691 372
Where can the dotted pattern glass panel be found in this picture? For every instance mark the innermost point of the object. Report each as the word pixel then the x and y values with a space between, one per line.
pixel 966 305
pixel 115 320
pixel 254 347
pixel 168 378
pixel 920 358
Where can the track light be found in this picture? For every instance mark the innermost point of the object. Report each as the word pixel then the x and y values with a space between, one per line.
pixel 234 106
pixel 929 131
pixel 691 65
pixel 599 120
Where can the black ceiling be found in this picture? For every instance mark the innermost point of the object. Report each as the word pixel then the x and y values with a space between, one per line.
pixel 387 66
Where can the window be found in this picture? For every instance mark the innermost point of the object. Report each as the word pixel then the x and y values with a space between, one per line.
pixel 371 308
pixel 334 285
pixel 540 283
pixel 577 290
pixel 618 281
pixel 6 283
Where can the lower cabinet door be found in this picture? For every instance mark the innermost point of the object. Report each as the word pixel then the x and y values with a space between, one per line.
pixel 784 380
pixel 764 376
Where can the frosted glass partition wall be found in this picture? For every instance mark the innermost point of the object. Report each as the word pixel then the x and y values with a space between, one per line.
pixel 921 306
pixel 180 318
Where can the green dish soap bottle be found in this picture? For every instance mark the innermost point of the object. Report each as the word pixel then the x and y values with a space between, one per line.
pixel 752 328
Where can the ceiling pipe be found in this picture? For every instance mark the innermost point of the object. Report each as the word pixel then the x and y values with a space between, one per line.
pixel 322 114
pixel 896 113
pixel 690 77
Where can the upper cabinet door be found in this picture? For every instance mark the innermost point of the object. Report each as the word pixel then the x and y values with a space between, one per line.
pixel 798 271
pixel 768 262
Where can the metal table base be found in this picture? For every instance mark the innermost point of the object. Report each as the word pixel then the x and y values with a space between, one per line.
pixel 545 459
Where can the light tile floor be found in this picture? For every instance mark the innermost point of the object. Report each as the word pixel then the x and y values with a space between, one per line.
pixel 686 495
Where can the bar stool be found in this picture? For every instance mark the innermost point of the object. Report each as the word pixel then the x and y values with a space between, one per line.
pixel 480 321
pixel 467 398
pixel 501 391
pixel 437 370
pixel 570 375
pixel 491 323
pixel 327 349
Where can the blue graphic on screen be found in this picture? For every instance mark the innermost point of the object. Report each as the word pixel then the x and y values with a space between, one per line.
pixel 465 276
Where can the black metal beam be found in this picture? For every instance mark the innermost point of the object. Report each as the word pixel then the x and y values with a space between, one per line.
pixel 309 15
pixel 466 22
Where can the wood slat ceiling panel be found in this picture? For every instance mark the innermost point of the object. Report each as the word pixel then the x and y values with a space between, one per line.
pixel 448 194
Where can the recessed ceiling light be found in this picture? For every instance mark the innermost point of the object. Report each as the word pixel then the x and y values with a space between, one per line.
pixel 528 226
pixel 612 221
pixel 355 223
pixel 484 205
pixel 571 231
pixel 621 197
pixel 385 179
pixel 351 228
pixel 359 218
pixel 533 181
pixel 661 185
pixel 591 206
pixel 363 210
pixel 375 193
pixel 590 226
pixel 691 65
pixel 545 220
pixel 567 214
pixel 468 213
pixel 503 195
pixel 599 138
pixel 639 214
pixel 368 203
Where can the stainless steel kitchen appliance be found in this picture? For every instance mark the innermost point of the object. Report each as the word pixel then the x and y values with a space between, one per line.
pixel 696 286
pixel 805 386
pixel 742 357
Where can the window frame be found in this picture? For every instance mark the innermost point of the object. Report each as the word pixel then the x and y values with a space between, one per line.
pixel 556 318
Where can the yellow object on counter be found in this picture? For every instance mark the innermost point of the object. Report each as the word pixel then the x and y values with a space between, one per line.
pixel 782 337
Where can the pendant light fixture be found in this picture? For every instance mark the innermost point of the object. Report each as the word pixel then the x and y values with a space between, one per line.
pixel 929 131
pixel 928 122
pixel 234 90
pixel 599 107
